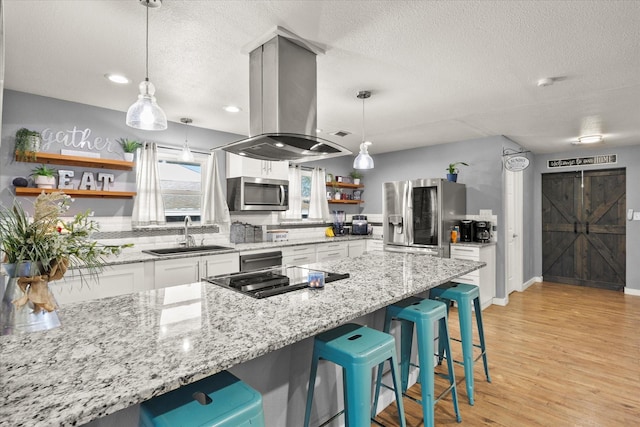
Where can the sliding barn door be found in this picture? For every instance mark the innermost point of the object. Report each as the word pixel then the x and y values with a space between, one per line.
pixel 583 228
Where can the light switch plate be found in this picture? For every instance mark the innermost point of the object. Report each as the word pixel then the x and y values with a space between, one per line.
pixel 636 216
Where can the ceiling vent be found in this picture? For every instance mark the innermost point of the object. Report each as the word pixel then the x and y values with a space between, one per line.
pixel 340 133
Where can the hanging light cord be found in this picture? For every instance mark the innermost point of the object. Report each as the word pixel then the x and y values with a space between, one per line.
pixel 146 76
pixel 363 136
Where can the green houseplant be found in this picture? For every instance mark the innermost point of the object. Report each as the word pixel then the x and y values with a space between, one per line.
pixel 129 146
pixel 47 245
pixel 356 176
pixel 44 176
pixel 27 144
pixel 452 171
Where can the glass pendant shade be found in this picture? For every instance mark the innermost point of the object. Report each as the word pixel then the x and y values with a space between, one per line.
pixel 145 113
pixel 363 160
pixel 186 155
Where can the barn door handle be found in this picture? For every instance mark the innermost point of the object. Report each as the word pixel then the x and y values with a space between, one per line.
pixel 575 227
pixel 587 227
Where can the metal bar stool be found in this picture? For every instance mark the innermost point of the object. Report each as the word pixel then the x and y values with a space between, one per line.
pixel 466 296
pixel 424 314
pixel 221 400
pixel 358 350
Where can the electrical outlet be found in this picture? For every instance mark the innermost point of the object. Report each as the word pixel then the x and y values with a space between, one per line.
pixel 636 216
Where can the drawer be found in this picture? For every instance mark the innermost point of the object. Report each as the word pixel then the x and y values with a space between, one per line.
pixel 298 250
pixel 468 279
pixel 465 252
pixel 327 252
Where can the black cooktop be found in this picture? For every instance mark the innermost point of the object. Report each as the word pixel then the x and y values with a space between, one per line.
pixel 271 281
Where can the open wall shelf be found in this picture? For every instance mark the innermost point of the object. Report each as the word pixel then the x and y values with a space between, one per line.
pixel 346 202
pixel 29 191
pixel 89 162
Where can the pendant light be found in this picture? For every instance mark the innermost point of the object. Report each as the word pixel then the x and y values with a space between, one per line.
pixel 186 155
pixel 145 113
pixel 363 160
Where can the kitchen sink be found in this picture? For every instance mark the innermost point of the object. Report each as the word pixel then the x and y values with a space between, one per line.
pixel 186 250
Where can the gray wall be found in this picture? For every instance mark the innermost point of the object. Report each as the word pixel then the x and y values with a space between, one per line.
pixel 483 179
pixel 38 112
pixel 629 158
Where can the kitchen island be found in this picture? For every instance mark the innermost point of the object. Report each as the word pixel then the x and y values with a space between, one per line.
pixel 116 352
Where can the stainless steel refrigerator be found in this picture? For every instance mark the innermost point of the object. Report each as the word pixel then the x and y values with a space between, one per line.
pixel 418 215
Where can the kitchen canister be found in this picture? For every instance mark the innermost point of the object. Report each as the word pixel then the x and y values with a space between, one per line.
pixel 236 234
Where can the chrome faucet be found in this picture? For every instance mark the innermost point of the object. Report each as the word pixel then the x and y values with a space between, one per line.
pixel 189 241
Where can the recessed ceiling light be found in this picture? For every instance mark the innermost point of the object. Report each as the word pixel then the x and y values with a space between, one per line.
pixel 590 139
pixel 279 144
pixel 318 130
pixel 231 109
pixel 117 78
pixel 242 153
pixel 547 81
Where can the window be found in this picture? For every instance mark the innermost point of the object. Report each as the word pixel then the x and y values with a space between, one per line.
pixel 306 191
pixel 181 185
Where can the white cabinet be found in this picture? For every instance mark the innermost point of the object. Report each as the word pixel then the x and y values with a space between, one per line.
pixel 331 251
pixel 374 245
pixel 485 277
pixel 356 248
pixel 171 272
pixel 299 255
pixel 214 265
pixel 242 166
pixel 79 285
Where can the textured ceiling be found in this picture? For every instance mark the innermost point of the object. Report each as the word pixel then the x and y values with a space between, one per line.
pixel 440 71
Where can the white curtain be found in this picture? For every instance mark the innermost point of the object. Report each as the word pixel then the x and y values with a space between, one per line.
pixel 214 209
pixel 318 205
pixel 148 207
pixel 295 194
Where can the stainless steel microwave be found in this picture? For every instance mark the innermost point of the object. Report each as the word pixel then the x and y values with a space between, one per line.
pixel 257 194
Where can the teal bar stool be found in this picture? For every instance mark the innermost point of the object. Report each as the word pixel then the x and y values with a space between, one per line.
pixel 466 296
pixel 358 350
pixel 221 400
pixel 424 314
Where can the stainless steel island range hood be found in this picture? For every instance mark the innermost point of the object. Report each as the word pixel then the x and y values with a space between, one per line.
pixel 283 104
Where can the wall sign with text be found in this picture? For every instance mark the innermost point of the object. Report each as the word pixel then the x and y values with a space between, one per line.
pixel 604 159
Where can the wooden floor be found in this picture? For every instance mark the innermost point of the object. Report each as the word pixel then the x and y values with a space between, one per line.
pixel 559 355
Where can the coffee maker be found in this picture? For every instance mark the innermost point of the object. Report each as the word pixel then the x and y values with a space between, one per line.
pixel 482 231
pixel 359 225
pixel 466 230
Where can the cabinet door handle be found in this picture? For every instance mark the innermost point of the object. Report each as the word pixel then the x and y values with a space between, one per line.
pixel 575 227
pixel 587 227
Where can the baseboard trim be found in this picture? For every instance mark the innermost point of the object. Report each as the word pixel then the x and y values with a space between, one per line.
pixel 500 301
pixel 534 279
pixel 631 291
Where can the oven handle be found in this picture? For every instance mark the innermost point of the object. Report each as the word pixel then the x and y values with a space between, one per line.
pixel 262 259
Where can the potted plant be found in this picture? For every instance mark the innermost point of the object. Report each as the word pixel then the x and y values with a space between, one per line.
pixel 129 146
pixel 44 176
pixel 330 177
pixel 336 192
pixel 49 246
pixel 356 176
pixel 452 170
pixel 27 144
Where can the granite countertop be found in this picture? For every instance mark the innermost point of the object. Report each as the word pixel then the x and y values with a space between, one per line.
pixel 116 352
pixel 132 255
